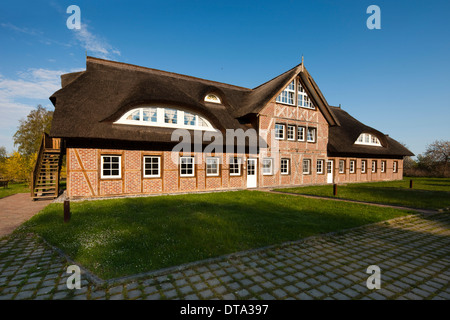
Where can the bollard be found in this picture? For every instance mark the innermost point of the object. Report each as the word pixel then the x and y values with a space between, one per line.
pixel 334 189
pixel 410 184
pixel 66 210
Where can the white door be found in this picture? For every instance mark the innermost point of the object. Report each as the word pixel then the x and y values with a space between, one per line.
pixel 251 173
pixel 330 169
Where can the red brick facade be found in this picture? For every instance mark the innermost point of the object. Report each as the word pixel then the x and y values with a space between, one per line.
pixel 84 177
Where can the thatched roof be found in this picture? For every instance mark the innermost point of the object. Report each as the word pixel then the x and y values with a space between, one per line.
pixel 90 101
pixel 341 139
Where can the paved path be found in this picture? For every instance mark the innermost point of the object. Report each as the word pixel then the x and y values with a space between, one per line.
pixel 16 209
pixel 413 254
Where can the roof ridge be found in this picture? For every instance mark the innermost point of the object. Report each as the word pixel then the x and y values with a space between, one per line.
pixel 168 73
pixel 276 77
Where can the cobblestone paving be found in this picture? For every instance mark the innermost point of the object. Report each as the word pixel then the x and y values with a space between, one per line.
pixel 413 254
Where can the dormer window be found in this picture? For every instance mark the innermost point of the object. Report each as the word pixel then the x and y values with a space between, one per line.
pixel 212 98
pixel 368 139
pixel 165 117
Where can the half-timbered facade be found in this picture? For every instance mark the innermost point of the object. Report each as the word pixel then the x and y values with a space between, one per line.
pixel 117 124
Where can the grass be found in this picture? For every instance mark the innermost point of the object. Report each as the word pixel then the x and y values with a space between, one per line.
pixel 14 188
pixel 121 237
pixel 427 193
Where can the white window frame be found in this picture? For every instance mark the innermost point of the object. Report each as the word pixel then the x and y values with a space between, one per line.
pixel 283 131
pixel 291 132
pixel 308 166
pixel 342 167
pixel 217 163
pixel 159 167
pixel 119 176
pixel 301 129
pixel 374 166
pixel 239 163
pixel 183 175
pixel 363 166
pixel 383 166
pixel 311 129
pixel 287 94
pixel 267 171
pixel 211 97
pixel 352 166
pixel 285 168
pixel 395 167
pixel 302 97
pixel 200 122
pixel 319 166
pixel 368 140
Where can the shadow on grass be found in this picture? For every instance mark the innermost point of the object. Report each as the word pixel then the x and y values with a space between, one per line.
pixel 120 237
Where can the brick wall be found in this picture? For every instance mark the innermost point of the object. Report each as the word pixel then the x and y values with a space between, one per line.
pixel 296 151
pixel 84 174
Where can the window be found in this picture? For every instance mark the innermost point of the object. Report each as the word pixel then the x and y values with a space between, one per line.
pixel 170 116
pixel 187 167
pixel 267 166
pixel 302 98
pixel 291 132
pixel 352 166
pixel 212 98
pixel 301 133
pixel 134 116
pixel 149 114
pixel 111 167
pixel 165 117
pixel 306 166
pixel 330 166
pixel 212 166
pixel 368 139
pixel 374 166
pixel 279 131
pixel 284 167
pixel 288 94
pixel 235 166
pixel 152 166
pixel 363 166
pixel 311 135
pixel 383 166
pixel 395 167
pixel 189 119
pixel 319 168
pixel 341 166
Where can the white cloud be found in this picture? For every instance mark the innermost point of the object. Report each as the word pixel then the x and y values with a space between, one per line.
pixel 94 44
pixel 19 95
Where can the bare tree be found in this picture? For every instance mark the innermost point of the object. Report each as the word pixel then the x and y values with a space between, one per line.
pixel 438 153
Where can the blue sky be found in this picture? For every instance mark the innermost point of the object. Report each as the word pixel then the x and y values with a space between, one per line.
pixel 395 79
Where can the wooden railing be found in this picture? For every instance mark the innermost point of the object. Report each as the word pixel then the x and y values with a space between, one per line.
pixel 46 143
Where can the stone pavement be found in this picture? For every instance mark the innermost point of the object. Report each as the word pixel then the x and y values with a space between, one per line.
pixel 413 253
pixel 16 209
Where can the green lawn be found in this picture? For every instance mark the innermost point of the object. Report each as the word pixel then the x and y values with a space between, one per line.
pixel 428 193
pixel 121 237
pixel 14 188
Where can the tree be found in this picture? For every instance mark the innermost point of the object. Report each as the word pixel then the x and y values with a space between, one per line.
pixel 18 167
pixel 3 156
pixel 438 154
pixel 3 153
pixel 29 133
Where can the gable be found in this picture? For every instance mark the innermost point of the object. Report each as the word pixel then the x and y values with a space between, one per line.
pixel 260 96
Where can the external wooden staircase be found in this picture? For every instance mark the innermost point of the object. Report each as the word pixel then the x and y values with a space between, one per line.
pixel 45 176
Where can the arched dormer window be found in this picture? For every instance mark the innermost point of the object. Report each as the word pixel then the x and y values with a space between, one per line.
pixel 212 98
pixel 165 117
pixel 368 139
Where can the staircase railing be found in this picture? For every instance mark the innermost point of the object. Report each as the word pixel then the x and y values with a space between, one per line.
pixel 37 164
pixel 46 143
